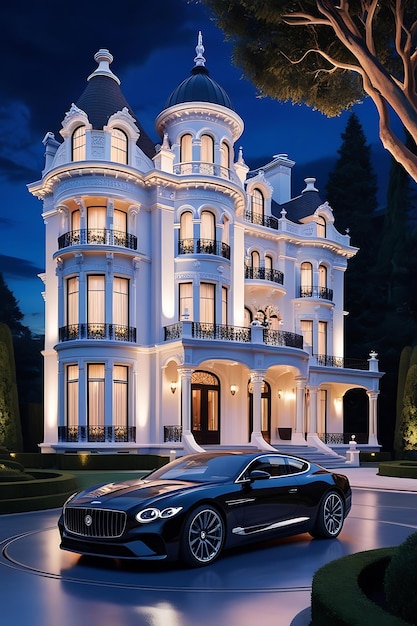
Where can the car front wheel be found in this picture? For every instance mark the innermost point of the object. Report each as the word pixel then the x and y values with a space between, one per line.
pixel 203 537
pixel 330 517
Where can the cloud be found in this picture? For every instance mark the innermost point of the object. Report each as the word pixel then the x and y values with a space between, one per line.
pixel 17 268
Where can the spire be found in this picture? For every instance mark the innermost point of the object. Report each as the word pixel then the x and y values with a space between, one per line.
pixel 199 59
pixel 104 58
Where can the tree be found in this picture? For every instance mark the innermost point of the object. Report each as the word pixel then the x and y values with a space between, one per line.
pixel 409 422
pixel 10 313
pixel 351 192
pixel 329 55
pixel 10 437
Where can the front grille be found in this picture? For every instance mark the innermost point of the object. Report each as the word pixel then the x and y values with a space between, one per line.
pixel 100 523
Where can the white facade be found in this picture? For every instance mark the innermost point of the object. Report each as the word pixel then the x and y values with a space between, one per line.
pixel 188 301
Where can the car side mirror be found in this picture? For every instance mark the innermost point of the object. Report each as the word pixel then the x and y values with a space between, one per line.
pixel 259 475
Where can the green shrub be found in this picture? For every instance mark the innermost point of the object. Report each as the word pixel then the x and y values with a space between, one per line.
pixel 398 469
pixel 10 474
pixel 400 582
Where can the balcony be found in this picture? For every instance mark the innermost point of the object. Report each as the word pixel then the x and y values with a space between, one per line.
pixel 261 220
pixel 325 360
pixel 264 273
pixel 96 434
pixel 111 332
pixel 202 168
pixel 204 246
pixel 98 236
pixel 316 292
pixel 239 334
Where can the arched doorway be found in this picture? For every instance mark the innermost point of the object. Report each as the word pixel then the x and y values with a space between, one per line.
pixel 205 407
pixel 265 410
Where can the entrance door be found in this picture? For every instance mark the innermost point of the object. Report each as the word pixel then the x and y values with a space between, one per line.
pixel 205 408
pixel 265 410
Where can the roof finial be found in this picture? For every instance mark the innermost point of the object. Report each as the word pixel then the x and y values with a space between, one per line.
pixel 199 59
pixel 104 58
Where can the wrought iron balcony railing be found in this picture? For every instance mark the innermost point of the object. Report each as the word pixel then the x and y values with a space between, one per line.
pixel 264 273
pixel 261 220
pixel 316 292
pixel 282 338
pixel 112 332
pixel 172 434
pixel 96 434
pixel 343 438
pixel 204 246
pixel 325 360
pixel 100 236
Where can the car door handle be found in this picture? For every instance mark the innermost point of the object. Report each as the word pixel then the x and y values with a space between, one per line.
pixel 293 490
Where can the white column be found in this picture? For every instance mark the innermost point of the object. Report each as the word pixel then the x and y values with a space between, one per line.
pixel 373 425
pixel 298 436
pixel 312 422
pixel 256 438
pixel 189 443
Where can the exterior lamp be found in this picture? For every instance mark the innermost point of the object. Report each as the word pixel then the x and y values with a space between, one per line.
pixel 173 386
pixel 233 389
pixel 279 393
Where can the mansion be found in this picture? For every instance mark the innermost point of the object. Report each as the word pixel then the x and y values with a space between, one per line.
pixel 189 301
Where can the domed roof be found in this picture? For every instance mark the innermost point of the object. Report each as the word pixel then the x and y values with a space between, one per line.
pixel 199 86
pixel 103 97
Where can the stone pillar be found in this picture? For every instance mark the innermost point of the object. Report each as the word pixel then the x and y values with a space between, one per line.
pixel 298 436
pixel 312 422
pixel 256 438
pixel 373 426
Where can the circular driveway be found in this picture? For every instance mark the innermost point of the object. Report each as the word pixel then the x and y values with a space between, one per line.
pixel 269 581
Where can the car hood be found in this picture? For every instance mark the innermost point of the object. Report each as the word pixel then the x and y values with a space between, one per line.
pixel 129 493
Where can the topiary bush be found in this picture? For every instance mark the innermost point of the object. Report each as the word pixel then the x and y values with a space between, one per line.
pixel 400 582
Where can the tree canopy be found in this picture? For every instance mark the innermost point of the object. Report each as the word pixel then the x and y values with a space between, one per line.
pixel 328 55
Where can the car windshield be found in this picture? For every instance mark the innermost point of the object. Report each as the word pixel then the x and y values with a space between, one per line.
pixel 201 468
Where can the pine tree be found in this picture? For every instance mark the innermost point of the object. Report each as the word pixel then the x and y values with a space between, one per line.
pixel 9 436
pixel 10 313
pixel 351 191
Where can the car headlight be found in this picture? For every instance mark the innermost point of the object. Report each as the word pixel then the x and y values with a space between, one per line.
pixel 151 514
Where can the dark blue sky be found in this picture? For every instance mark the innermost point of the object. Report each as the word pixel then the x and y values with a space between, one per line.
pixel 47 55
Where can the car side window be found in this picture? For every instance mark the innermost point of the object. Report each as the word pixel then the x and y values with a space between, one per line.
pixel 274 465
pixel 295 466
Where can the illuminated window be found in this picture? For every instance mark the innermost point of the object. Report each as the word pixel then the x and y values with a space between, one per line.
pixel 322 276
pixel 258 203
pixel 207 149
pixel 268 262
pixel 186 225
pixel 321 227
pixel 120 395
pixel 322 338
pixel 208 226
pixel 72 300
pixel 120 221
pixel 306 279
pixel 307 332
pixel 119 144
pixel 224 305
pixel 186 301
pixel 96 301
pixel 72 395
pixel 207 303
pixel 75 220
pixel 95 394
pixel 255 259
pixel 79 144
pixel 186 149
pixel 121 301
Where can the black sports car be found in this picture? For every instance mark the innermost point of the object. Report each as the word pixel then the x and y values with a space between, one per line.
pixel 194 507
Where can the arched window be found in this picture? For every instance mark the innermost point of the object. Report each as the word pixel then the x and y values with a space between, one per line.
pixel 207 149
pixel 186 225
pixel 119 143
pixel 255 259
pixel 268 262
pixel 306 279
pixel 322 276
pixel 225 159
pixel 258 203
pixel 205 407
pixel 208 226
pixel 78 147
pixel 321 227
pixel 186 155
pixel 248 316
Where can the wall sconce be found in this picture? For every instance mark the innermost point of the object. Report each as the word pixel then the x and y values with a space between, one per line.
pixel 173 386
pixel 233 389
pixel 279 393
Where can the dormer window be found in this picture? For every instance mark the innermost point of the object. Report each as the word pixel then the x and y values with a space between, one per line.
pixel 321 227
pixel 79 144
pixel 119 144
pixel 258 203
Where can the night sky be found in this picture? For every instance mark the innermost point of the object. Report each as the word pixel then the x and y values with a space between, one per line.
pixel 47 52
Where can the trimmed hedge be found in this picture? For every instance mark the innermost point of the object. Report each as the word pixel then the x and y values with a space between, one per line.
pixel 374 457
pixel 90 461
pixel 398 469
pixel 48 490
pixel 338 596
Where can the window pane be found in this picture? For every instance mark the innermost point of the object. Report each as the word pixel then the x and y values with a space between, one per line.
pixel 268 262
pixel 321 227
pixel 186 149
pixel 196 403
pixel 224 305
pixel 186 231
pixel 307 332
pixel 207 303
pixel 255 259
pixel 207 149
pixel 322 338
pixel 120 396
pixel 96 300
pixel 72 300
pixel 119 144
pixel 72 395
pixel 208 230
pixel 120 221
pixel 225 155
pixel 186 300
pixel 121 301
pixel 306 274
pixel 75 220
pixel 96 394
pixel 322 276
pixel 212 409
pixel 257 202
pixel 96 217
pixel 79 144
